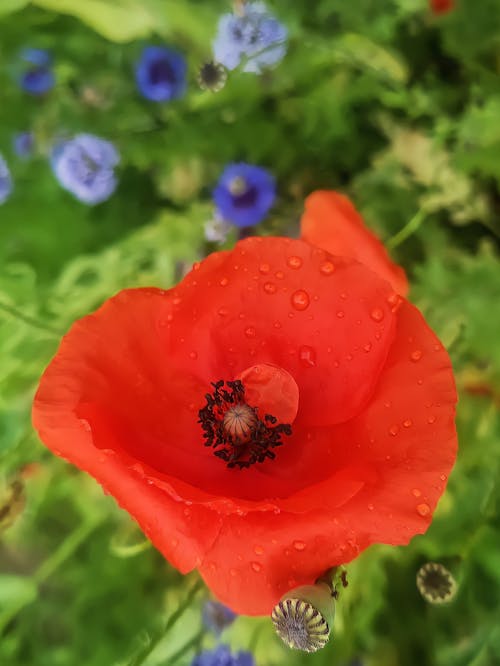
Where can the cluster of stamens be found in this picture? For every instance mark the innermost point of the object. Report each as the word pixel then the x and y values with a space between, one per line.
pixel 235 431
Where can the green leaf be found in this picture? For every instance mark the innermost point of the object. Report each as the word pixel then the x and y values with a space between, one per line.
pixel 8 6
pixel 360 50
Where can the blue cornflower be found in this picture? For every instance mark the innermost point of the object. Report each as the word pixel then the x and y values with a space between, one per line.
pixel 160 73
pixel 84 166
pixel 23 143
pixel 5 181
pixel 38 77
pixel 216 616
pixel 244 194
pixel 255 38
pixel 222 656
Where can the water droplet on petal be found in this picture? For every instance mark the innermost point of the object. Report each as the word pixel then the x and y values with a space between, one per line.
pixel 264 269
pixel 270 288
pixel 431 419
pixel 367 347
pixel 233 572
pixel 307 356
pixel 294 262
pixel 250 332
pixel 393 430
pixel 408 423
pixel 277 324
pixel 416 492
pixel 300 300
pixel 377 314
pixel 443 477
pixel 193 355
pixel 423 509
pixel 258 550
pixel 370 507
pixel 416 355
pixel 327 268
pixel 256 566
pixel 279 274
pixel 299 545
pixel 340 314
pixel 224 282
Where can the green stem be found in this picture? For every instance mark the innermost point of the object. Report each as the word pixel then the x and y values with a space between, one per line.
pixel 50 565
pixel 143 654
pixel 410 228
pixel 31 321
pixel 192 643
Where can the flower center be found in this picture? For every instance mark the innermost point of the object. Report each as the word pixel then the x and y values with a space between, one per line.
pixel 234 429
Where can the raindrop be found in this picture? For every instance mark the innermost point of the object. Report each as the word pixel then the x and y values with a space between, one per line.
pixel 224 282
pixel 223 312
pixel 367 347
pixel 307 356
pixel 277 324
pixel 256 566
pixel 250 332
pixel 270 287
pixel 393 430
pixel 340 314
pixel 300 300
pixel 258 550
pixel 370 507
pixel 327 268
pixel 170 317
pixel 423 509
pixel 264 269
pixel 408 423
pixel 176 300
pixel 193 355
pixel 442 477
pixel 377 314
pixel 416 492
pixel 280 275
pixel 294 262
pixel 431 419
pixel 299 545
pixel 187 512
pixel 343 296
pixel 416 355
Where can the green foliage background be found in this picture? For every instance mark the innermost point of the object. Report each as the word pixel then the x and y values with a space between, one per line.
pixel 378 98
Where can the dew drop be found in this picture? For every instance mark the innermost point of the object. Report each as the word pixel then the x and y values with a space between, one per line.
pixel 408 423
pixel 224 282
pixel 343 296
pixel 250 332
pixel 256 566
pixel 187 512
pixel 431 419
pixel 294 262
pixel 327 268
pixel 233 572
pixel 340 314
pixel 393 430
pixel 258 550
pixel 416 492
pixel 193 355
pixel 394 300
pixel 370 507
pixel 270 288
pixel 423 509
pixel 279 274
pixel 264 269
pixel 277 324
pixel 300 300
pixel 416 355
pixel 377 314
pixel 299 545
pixel 176 300
pixel 307 356
pixel 170 317
pixel 367 347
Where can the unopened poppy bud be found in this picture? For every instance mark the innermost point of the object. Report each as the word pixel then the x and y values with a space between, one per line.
pixel 303 618
pixel 435 583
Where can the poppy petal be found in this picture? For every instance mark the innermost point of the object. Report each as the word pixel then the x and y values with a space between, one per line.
pixel 331 222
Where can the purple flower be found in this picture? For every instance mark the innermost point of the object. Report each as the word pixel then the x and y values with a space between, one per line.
pixel 160 73
pixel 5 181
pixel 23 143
pixel 216 617
pixel 244 194
pixel 38 77
pixel 222 656
pixel 255 38
pixel 84 166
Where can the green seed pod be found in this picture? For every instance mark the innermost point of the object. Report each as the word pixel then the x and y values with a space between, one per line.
pixel 303 618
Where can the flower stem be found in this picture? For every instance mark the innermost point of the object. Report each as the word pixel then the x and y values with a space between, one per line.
pixel 410 228
pixel 31 321
pixel 143 654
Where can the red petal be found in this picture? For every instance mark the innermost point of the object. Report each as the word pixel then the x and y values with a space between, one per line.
pixel 442 6
pixel 331 222
pixel 264 555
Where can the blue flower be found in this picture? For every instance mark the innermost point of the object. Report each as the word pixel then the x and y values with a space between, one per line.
pixel 244 194
pixel 5 181
pixel 38 78
pixel 161 73
pixel 216 617
pixel 222 656
pixel 23 143
pixel 255 38
pixel 84 166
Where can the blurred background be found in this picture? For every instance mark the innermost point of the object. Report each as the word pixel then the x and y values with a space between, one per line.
pixel 393 102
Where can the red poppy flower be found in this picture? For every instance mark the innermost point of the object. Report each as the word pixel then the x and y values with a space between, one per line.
pixel 442 6
pixel 271 416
